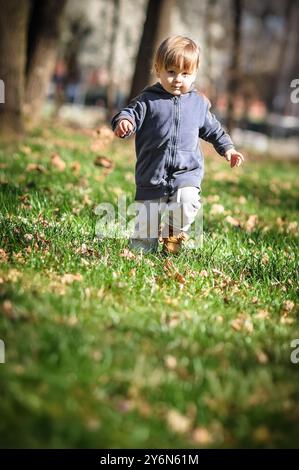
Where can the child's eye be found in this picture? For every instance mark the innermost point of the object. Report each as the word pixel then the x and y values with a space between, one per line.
pixel 171 72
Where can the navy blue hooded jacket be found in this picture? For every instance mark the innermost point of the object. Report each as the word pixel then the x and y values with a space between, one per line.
pixel 168 129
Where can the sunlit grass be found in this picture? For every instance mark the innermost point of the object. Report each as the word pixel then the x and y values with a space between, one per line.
pixel 105 349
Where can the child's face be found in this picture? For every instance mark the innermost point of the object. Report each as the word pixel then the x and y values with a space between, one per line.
pixel 176 81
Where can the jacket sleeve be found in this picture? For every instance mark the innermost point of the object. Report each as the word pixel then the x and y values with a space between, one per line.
pixel 213 132
pixel 134 112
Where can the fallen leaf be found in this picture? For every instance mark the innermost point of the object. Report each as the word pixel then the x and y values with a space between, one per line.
pixel 126 253
pixel 287 307
pixel 262 357
pixel 202 436
pixel 261 314
pixel 100 160
pixel 3 256
pixel 251 223
pixel 261 434
pixel 217 209
pixel 204 273
pixel 242 323
pixel 35 167
pixel 170 362
pixel 232 221
pixel 70 278
pixel 265 258
pixel 177 422
pixel 75 167
pixel 57 161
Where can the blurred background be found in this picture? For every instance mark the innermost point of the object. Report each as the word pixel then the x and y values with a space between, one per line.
pixel 79 62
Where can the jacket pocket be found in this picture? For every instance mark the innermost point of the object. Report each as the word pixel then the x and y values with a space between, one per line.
pixel 186 160
pixel 150 168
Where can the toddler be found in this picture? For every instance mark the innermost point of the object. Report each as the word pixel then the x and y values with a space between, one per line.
pixel 168 119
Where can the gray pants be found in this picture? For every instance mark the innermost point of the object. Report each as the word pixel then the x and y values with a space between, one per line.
pixel 176 212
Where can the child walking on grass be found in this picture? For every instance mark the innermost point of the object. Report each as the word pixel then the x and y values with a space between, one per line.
pixel 168 119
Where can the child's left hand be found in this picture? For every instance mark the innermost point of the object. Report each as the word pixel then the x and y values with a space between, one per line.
pixel 235 158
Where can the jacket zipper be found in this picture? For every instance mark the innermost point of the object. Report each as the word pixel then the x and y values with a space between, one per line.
pixel 174 137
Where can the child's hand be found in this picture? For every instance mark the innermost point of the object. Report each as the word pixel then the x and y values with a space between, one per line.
pixel 235 158
pixel 123 128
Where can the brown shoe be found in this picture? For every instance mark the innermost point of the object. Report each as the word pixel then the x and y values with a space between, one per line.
pixel 173 243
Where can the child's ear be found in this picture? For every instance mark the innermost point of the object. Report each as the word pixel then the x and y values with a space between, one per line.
pixel 157 70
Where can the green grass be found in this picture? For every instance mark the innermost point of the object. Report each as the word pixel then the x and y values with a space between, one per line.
pixel 124 355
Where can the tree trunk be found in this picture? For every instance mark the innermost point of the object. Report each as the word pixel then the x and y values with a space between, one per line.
pixel 156 28
pixel 111 88
pixel 44 31
pixel 234 71
pixel 13 28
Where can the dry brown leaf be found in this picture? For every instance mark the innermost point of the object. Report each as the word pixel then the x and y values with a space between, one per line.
pixel 204 273
pixel 292 227
pixel 70 278
pixel 262 357
pixel 25 149
pixel 126 253
pixel 202 436
pixel 287 307
pixel 13 275
pixel 251 223
pixel 3 256
pixel 170 362
pixel 231 220
pixel 132 272
pixel 261 434
pixel 57 161
pixel 177 422
pixel 218 272
pixel 104 136
pixel 265 258
pixel 8 309
pixel 287 320
pixel 217 209
pixel 105 162
pixel 261 314
pixel 86 200
pixel 75 167
pixel 18 257
pixel 213 198
pixel 242 200
pixel 242 323
pixel 178 277
pixel 36 167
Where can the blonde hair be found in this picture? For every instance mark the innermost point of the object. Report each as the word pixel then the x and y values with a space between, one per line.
pixel 177 51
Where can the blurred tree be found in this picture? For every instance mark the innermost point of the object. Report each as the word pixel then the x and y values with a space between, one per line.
pixel 43 36
pixel 111 88
pixel 156 28
pixel 234 70
pixel 13 30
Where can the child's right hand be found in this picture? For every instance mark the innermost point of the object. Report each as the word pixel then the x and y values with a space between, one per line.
pixel 123 128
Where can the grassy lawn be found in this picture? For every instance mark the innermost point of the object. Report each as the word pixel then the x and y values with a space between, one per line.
pixel 107 349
